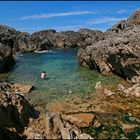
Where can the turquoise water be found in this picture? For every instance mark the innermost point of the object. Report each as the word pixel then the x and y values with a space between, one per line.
pixel 64 76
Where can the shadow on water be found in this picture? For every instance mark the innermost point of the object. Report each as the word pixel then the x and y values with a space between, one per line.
pixel 47 78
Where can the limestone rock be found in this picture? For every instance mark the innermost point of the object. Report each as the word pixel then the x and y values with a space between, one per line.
pixel 128 127
pixel 81 119
pixel 108 92
pixel 133 91
pixel 23 88
pixel 15 112
pixel 91 36
pixel 98 85
pixel 118 52
pixel 85 136
pixel 120 87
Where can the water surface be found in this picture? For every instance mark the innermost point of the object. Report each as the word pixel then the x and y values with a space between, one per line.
pixel 64 76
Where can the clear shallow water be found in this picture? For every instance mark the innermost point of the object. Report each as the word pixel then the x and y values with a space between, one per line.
pixel 64 76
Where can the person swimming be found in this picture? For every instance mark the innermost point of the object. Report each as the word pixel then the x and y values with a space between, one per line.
pixel 43 75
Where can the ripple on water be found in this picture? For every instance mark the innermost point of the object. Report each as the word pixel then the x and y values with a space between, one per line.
pixel 64 77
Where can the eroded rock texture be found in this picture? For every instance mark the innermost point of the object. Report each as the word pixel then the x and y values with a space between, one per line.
pixel 15 112
pixel 119 52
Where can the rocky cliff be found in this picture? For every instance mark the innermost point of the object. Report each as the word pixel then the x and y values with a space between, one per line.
pixel 118 52
pixel 12 41
pixel 15 112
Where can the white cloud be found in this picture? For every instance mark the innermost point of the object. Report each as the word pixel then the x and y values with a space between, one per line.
pixel 108 20
pixel 57 28
pixel 122 11
pixel 40 16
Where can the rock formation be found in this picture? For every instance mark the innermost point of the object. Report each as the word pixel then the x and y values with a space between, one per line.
pixel 13 41
pixel 6 58
pixel 91 36
pixel 15 112
pixel 118 52
pixel 46 39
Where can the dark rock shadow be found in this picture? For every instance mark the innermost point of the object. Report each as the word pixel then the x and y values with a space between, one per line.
pixel 12 117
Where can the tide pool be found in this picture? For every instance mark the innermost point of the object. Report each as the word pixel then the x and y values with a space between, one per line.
pixel 64 76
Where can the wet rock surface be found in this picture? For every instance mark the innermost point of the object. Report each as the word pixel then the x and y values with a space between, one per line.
pixel 22 88
pixel 115 116
pixel 98 116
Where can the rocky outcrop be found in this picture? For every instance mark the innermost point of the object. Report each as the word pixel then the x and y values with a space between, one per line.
pixel 46 39
pixel 16 40
pixel 81 119
pixel 15 112
pixel 22 88
pixel 11 41
pixel 6 58
pixel 59 127
pixel 91 36
pixel 70 39
pixel 118 52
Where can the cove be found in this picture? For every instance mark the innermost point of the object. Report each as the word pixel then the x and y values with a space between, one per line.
pixel 64 76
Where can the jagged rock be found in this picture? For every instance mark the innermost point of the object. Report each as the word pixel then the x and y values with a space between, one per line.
pixel 120 87
pixel 138 137
pixel 81 119
pixel 98 85
pixel 91 36
pixel 96 124
pixel 23 88
pixel 6 58
pixel 55 127
pixel 85 136
pixel 134 119
pixel 31 134
pixel 108 93
pixel 70 38
pixel 15 112
pixel 133 91
pixel 128 127
pixel 118 52
pixel 46 39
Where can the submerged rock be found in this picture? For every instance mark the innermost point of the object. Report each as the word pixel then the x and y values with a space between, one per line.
pixel 23 88
pixel 81 119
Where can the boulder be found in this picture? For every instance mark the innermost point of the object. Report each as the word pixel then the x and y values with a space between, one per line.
pixel 108 93
pixel 133 91
pixel 85 136
pixel 128 127
pixel 91 36
pixel 15 112
pixel 23 88
pixel 98 85
pixel 81 119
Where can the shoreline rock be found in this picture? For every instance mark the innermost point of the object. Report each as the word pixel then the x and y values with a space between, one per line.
pixel 15 112
pixel 118 53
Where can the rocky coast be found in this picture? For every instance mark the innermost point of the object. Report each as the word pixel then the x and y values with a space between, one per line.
pixel 112 112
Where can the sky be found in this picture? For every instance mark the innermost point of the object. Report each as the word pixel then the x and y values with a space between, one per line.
pixel 32 16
